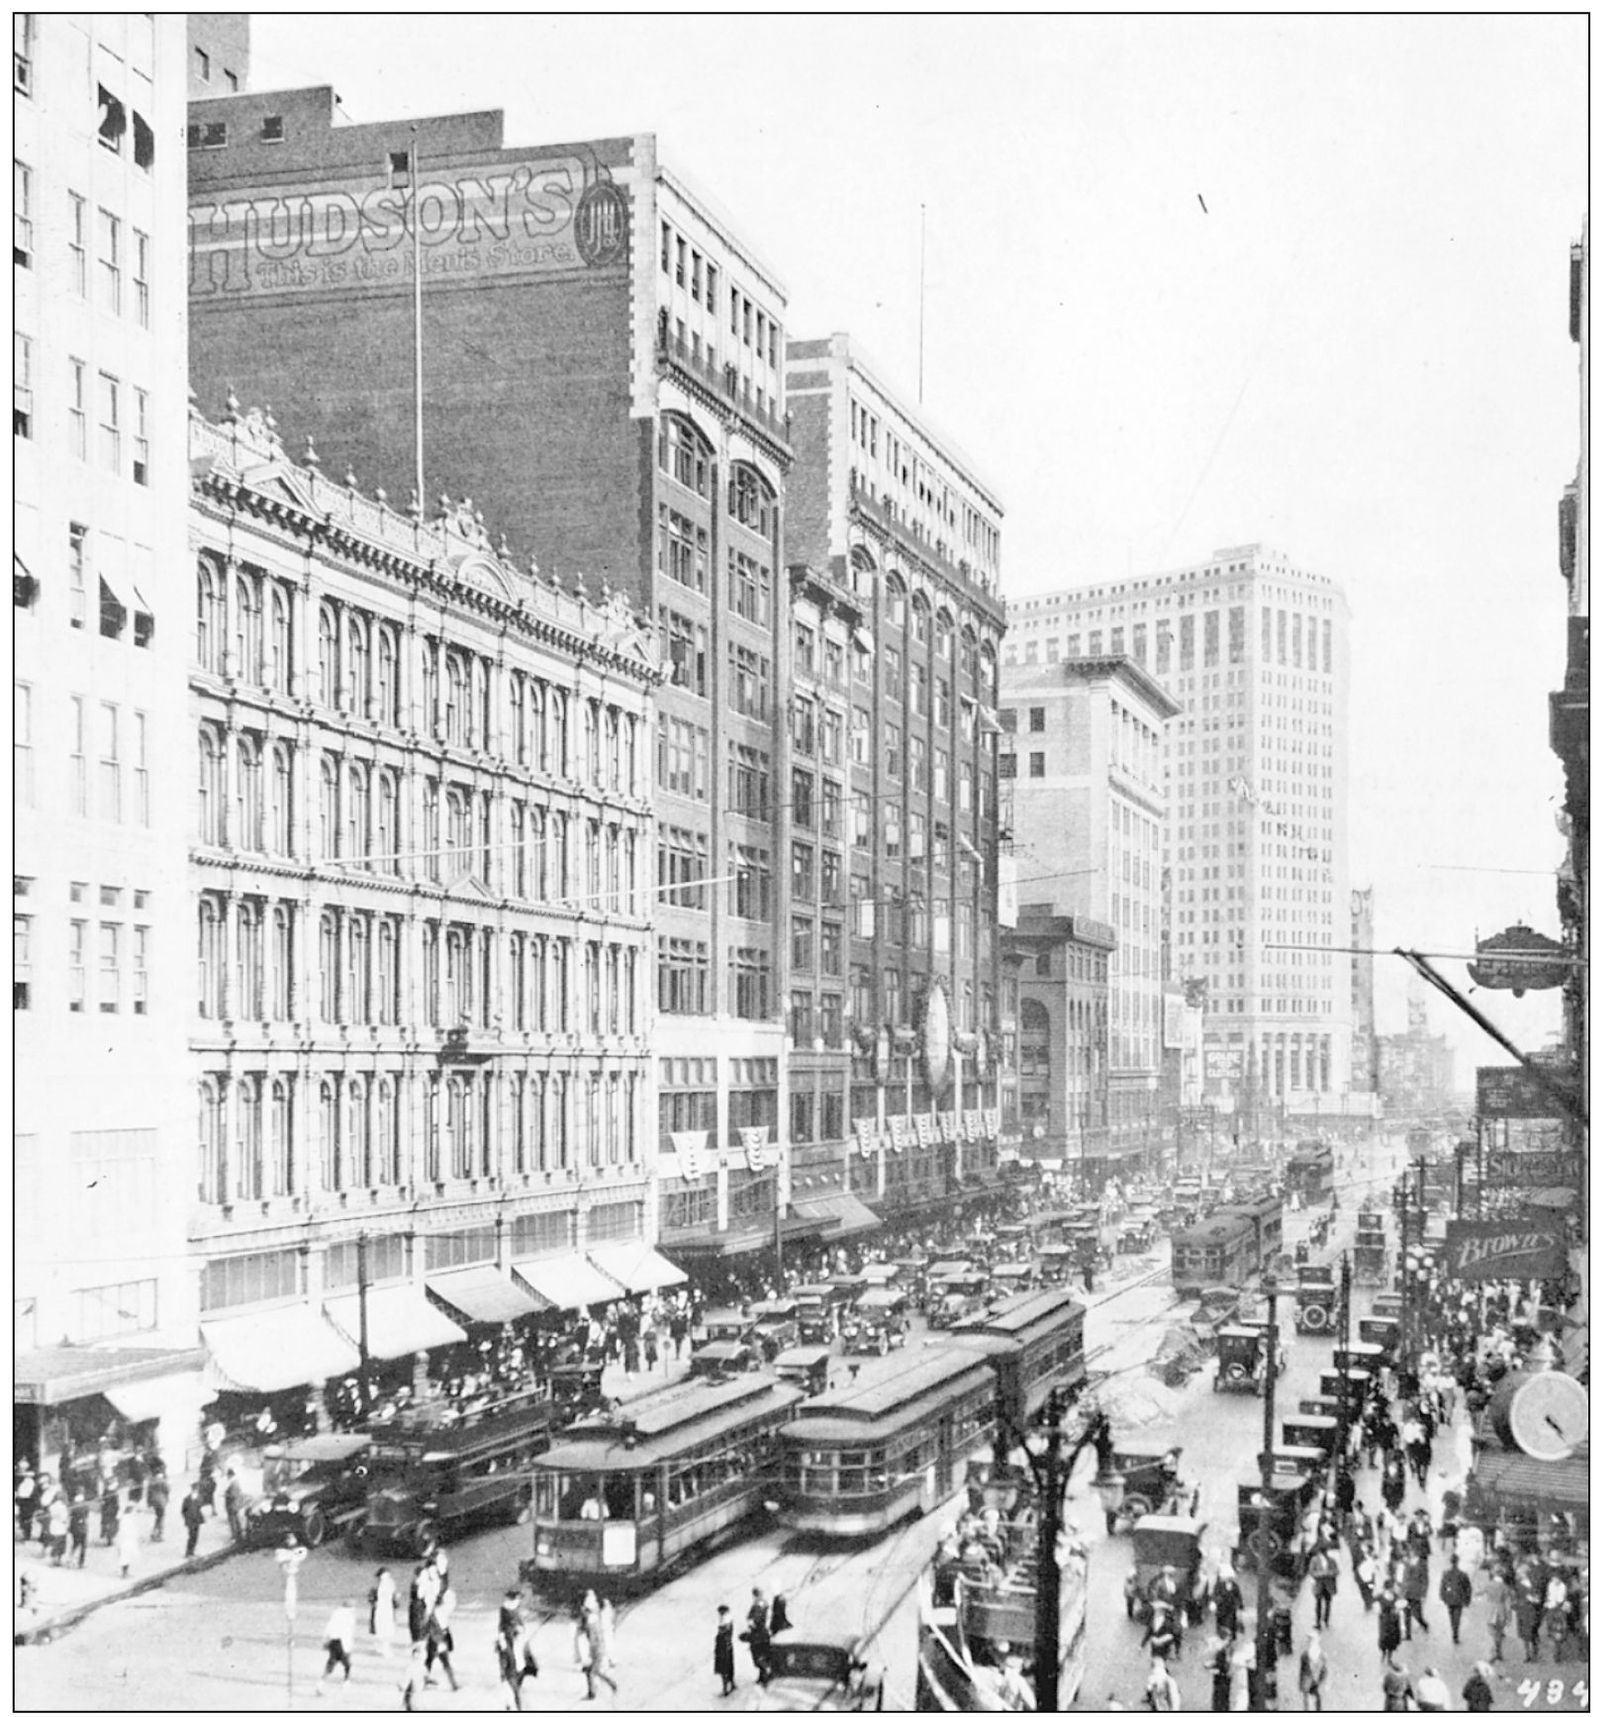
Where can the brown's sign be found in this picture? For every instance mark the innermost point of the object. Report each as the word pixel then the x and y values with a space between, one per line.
pixel 1525 1248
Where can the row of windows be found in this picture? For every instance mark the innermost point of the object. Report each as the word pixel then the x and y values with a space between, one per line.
pixel 123 418
pixel 114 256
pixel 365 1128
pixel 691 271
pixel 119 979
pixel 685 968
pixel 118 740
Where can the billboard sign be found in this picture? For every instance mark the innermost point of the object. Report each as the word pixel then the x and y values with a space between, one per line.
pixel 1531 1168
pixel 503 219
pixel 1514 1094
pixel 1174 1021
pixel 1523 1248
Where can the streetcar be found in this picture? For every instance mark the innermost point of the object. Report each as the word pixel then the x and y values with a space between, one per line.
pixel 1225 1249
pixel 1310 1173
pixel 621 1497
pixel 893 1444
pixel 1036 1342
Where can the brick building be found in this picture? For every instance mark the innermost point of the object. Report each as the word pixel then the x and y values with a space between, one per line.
pixel 602 350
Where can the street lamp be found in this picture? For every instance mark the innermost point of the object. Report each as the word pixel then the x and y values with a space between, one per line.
pixel 1264 1645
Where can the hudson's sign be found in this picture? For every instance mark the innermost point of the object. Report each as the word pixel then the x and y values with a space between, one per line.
pixel 540 217
pixel 1518 1248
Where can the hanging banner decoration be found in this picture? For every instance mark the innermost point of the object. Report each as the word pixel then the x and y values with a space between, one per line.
pixel 689 1148
pixel 865 1134
pixel 899 1131
pixel 936 1038
pixel 1513 1094
pixel 950 1125
pixel 754 1140
pixel 927 1129
pixel 1524 1248
pixel 973 1120
pixel 1531 1168
pixel 992 1123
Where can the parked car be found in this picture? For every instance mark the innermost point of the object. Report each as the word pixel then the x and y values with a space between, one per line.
pixel 311 1485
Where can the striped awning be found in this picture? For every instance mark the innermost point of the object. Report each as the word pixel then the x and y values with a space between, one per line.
pixel 569 1283
pixel 637 1267
pixel 399 1319
pixel 482 1294
pixel 263 1352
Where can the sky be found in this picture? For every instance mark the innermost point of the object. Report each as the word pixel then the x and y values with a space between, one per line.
pixel 1186 283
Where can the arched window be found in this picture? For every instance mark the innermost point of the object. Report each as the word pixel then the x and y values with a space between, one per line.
pixel 615 752
pixel 458 954
pixel 534 726
pixel 556 738
pixel 516 750
pixel 534 982
pixel 278 661
pixel 388 835
pixel 514 981
pixel 250 1137
pixel 331 1167
pixel 458 806
pixel 356 1138
pixel 432 831
pixel 430 711
pixel 281 962
pixel 280 1139
pixel 357 969
pixel 483 713
pixel 210 1143
pixel 249 793
pixel 684 455
pixel 539 868
pixel 894 603
pixel 210 959
pixel 249 960
pixel 210 787
pixel 944 638
pixel 249 663
pixel 387 676
pixel 751 502
pixel 593 742
pixel 328 663
pixel 357 826
pixel 210 617
pixel 278 828
pixel 863 570
pixel 356 667
pixel 330 967
pixel 389 1171
pixel 518 871
pixel 921 622
pixel 329 825
pixel 387 987
pixel 456 724
pixel 430 974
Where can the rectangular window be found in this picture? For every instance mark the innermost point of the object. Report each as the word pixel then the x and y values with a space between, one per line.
pixel 112 440
pixel 1211 638
pixel 78 768
pixel 1188 642
pixel 1138 643
pixel 111 766
pixel 109 978
pixel 77 437
pixel 140 969
pixel 273 129
pixel 77 574
pixel 77 244
pixel 143 774
pixel 685 649
pixel 78 932
pixel 1037 765
pixel 143 279
pixel 22 214
pixel 22 387
pixel 110 258
pixel 22 52
pixel 143 446
pixel 1298 640
pixel 1326 646
pixel 1236 636
pixel 22 742
pixel 1309 660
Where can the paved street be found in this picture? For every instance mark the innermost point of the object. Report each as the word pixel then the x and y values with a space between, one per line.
pixel 218 1639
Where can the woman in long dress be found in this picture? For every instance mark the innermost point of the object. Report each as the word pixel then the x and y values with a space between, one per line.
pixel 384 1612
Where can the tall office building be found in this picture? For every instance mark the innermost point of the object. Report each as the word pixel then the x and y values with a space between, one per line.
pixel 105 1300
pixel 1083 783
pixel 893 837
pixel 602 350
pixel 1255 652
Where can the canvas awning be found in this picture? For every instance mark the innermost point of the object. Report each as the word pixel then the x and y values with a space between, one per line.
pixel 399 1319
pixel 1503 1476
pixel 637 1267
pixel 152 1397
pixel 483 1294
pixel 841 1210
pixel 48 1376
pixel 570 1283
pixel 263 1352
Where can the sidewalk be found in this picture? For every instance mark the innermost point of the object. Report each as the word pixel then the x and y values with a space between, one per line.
pixel 64 1595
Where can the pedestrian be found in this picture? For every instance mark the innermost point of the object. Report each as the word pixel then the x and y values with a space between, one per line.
pixel 109 1513
pixel 1498 1615
pixel 1394 1482
pixel 778 1613
pixel 191 1516
pixel 78 1526
pixel 440 1638
pixel 415 1676
pixel 1527 1604
pixel 1390 1623
pixel 1396 1687
pixel 1365 1566
pixel 1416 1595
pixel 208 1477
pixel 1478 1691
pixel 1163 1693
pixel 1312 1671
pixel 1218 1664
pixel 592 1644
pixel 649 1344
pixel 58 1520
pixel 128 1542
pixel 384 1612
pixel 339 1640
pixel 725 1651
pixel 756 1635
pixel 157 1494
pixel 1227 1600
pixel 233 1504
pixel 1323 1570
pixel 25 1499
pixel 1554 1604
pixel 1455 1593
pixel 1430 1692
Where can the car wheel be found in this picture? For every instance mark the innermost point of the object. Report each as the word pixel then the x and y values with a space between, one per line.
pixel 314 1525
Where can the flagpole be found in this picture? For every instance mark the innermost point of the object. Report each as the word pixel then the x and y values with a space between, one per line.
pixel 416 296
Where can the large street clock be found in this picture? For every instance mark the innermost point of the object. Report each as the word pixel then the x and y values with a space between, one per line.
pixel 1547 1415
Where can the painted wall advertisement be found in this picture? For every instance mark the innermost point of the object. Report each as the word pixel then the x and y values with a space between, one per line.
pixel 1525 1248
pixel 506 219
pixel 1531 1168
pixel 1513 1094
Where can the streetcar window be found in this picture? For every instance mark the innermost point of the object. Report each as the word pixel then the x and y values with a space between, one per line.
pixel 545 1496
pixel 619 1497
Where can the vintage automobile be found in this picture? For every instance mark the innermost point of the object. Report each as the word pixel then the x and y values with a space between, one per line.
pixel 1150 1483
pixel 818 1672
pixel 1382 1333
pixel 724 1359
pixel 775 1324
pixel 1371 1261
pixel 1291 1495
pixel 1053 1262
pixel 1311 1431
pixel 876 1322
pixel 1011 1278
pixel 311 1485
pixel 1216 1308
pixel 1241 1358
pixel 1172 1541
pixel 818 1316
pixel 807 1368
pixel 963 1297
pixel 1298 1460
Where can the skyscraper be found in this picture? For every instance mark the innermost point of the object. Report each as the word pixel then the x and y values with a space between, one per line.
pixel 1254 650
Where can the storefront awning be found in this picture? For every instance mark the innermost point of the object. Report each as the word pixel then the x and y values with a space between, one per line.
pixel 49 1376
pixel 570 1283
pixel 637 1267
pixel 268 1351
pixel 719 1242
pixel 842 1209
pixel 483 1294
pixel 1502 1476
pixel 153 1397
pixel 399 1319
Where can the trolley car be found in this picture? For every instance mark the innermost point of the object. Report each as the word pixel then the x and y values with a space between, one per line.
pixel 1310 1173
pixel 621 1497
pixel 896 1443
pixel 1036 1341
pixel 1227 1248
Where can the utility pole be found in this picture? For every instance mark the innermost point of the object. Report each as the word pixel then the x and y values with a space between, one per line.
pixel 1265 1656
pixel 1402 1191
pixel 1342 1415
pixel 361 1244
